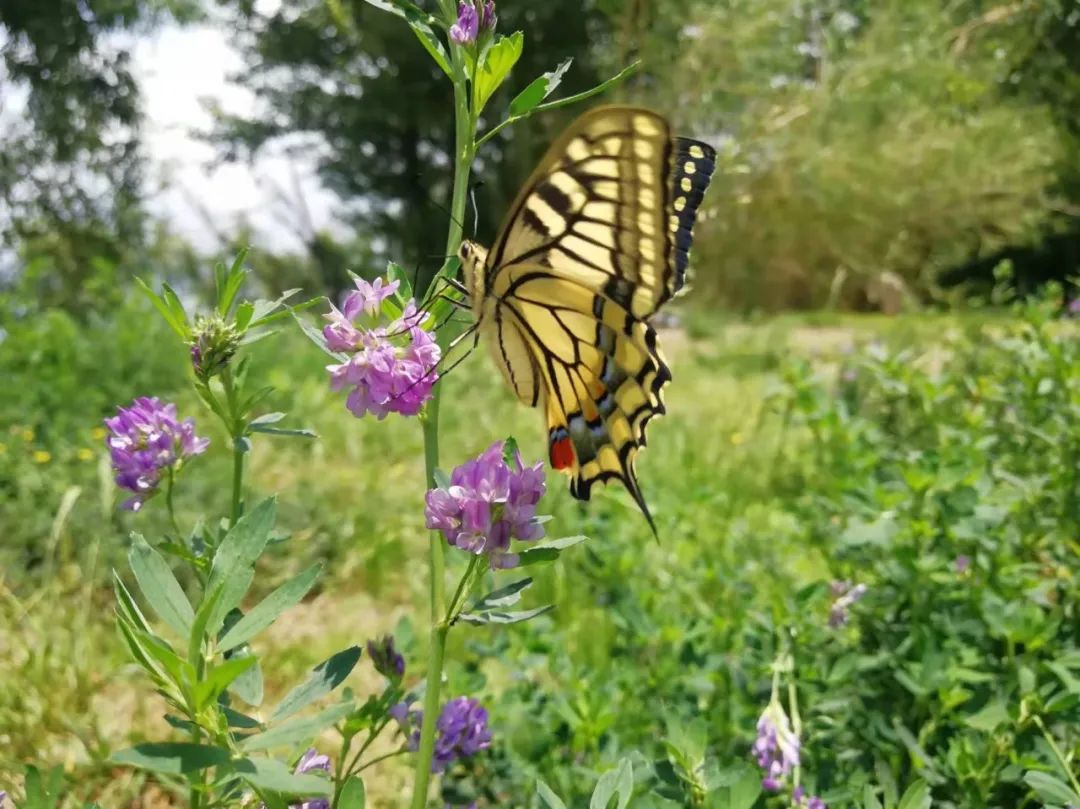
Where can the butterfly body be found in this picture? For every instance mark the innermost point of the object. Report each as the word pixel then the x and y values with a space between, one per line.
pixel 596 241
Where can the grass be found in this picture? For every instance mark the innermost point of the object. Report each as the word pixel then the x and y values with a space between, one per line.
pixel 719 474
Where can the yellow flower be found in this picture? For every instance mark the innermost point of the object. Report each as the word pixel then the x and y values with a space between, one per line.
pixel 27 435
pixel 85 454
pixel 41 456
pixel 97 433
pixel 737 438
pixel 3 448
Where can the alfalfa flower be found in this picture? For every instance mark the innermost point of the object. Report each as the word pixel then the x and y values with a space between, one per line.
pixel 490 501
pixel 461 730
pixel 487 16
pixel 776 746
pixel 800 800
pixel 386 658
pixel 467 27
pixel 844 596
pixel 145 440
pixel 390 368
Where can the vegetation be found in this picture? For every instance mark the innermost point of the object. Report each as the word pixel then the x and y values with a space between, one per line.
pixel 864 590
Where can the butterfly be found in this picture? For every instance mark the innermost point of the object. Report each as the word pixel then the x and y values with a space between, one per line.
pixel 596 241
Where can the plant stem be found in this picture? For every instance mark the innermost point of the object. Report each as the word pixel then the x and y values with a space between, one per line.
pixel 169 502
pixel 237 481
pixel 236 428
pixel 465 131
pixel 1057 753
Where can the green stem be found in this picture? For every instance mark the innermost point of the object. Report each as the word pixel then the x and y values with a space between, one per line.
pixel 465 132
pixel 1057 753
pixel 383 757
pixel 169 502
pixel 236 429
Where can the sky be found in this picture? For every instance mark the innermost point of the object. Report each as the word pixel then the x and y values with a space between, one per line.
pixel 177 69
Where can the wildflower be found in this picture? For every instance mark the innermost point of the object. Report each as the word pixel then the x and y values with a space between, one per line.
pixel 27 434
pixel 461 730
pixel 800 800
pixel 1074 307
pixel 388 662
pixel 213 343
pixel 844 596
pixel 465 30
pixel 488 503
pixel 3 797
pixel 41 456
pixel 392 368
pixel 3 448
pixel 311 760
pixel 776 746
pixel 84 454
pixel 961 563
pixel 97 433
pixel 145 439
pixel 487 16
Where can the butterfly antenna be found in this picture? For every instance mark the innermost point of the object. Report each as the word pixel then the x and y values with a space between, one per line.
pixel 441 207
pixel 475 209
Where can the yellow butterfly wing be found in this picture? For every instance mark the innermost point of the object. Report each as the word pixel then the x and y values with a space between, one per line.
pixel 595 242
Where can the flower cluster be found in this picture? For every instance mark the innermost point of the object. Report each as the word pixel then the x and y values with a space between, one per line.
pixel 213 344
pixel 776 746
pixel 777 751
pixel 461 731
pixel 844 597
pixel 392 367
pixel 488 503
pixel 473 17
pixel 386 659
pixel 144 440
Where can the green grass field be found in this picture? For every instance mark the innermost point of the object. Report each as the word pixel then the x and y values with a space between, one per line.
pixel 772 474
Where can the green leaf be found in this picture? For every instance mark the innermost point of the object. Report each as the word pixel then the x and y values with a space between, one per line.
pixel 159 586
pixel 218 678
pixel 233 280
pixel 324 678
pixel 916 796
pixel 352 794
pixel 126 605
pixel 267 610
pixel 199 626
pixel 548 551
pixel 266 418
pixel 249 685
pixel 298 432
pixel 510 450
pixel 741 788
pixel 297 730
pixel 315 336
pixel 235 558
pixel 870 798
pixel 1049 788
pixel 244 312
pixel 620 780
pixel 539 89
pixel 503 597
pixel 993 714
pixel 275 776
pixel 172 758
pixel 495 65
pixel 550 799
pixel 395 272
pixel 163 309
pixel 420 23
pixel 172 300
pixel 504 617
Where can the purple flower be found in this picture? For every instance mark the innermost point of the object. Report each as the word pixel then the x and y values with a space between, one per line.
pixel 388 662
pixel 144 439
pixel 1074 307
pixel 800 800
pixel 487 504
pixel 461 730
pixel 465 30
pixel 844 596
pixel 312 760
pixel 961 563
pixel 776 746
pixel 3 797
pixel 487 16
pixel 391 368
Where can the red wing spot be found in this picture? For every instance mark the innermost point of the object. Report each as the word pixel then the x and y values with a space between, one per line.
pixel 562 453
